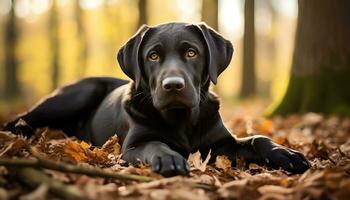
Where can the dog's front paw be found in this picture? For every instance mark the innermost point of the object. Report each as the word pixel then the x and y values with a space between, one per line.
pixel 170 165
pixel 278 156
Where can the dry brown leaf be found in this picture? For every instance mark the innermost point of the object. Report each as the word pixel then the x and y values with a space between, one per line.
pixel 312 119
pixel 112 145
pixel 75 150
pixel 6 136
pixel 345 149
pixel 195 161
pixel 13 147
pixel 328 179
pixel 206 179
pixel 99 155
pixel 222 162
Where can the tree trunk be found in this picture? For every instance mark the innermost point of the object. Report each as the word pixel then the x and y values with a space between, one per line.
pixel 319 80
pixel 248 70
pixel 142 13
pixel 11 84
pixel 54 40
pixel 83 50
pixel 210 10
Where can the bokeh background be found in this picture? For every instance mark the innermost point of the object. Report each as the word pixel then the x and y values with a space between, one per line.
pixel 45 44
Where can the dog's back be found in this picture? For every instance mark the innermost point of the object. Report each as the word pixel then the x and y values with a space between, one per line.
pixel 77 104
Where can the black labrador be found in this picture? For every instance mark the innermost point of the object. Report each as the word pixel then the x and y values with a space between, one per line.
pixel 167 111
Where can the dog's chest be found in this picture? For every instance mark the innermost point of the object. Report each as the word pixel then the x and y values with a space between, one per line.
pixel 184 140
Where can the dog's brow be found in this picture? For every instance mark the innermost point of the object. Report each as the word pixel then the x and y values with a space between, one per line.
pixel 192 43
pixel 153 46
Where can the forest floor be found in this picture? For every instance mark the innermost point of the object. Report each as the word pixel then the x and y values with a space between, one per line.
pixel 53 166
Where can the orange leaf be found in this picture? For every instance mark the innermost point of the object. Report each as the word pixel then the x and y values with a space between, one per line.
pixel 265 127
pixel 85 145
pixel 100 154
pixel 75 150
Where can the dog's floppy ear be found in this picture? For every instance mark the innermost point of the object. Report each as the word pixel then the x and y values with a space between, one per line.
pixel 220 51
pixel 128 56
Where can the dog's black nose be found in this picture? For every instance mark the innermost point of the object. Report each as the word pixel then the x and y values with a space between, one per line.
pixel 173 83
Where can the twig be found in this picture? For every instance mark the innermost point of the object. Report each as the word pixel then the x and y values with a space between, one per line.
pixel 63 167
pixel 165 181
pixel 33 178
pixel 203 186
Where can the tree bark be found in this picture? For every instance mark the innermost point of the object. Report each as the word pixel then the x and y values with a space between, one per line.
pixel 83 50
pixel 11 82
pixel 210 10
pixel 143 18
pixel 54 40
pixel 319 80
pixel 248 71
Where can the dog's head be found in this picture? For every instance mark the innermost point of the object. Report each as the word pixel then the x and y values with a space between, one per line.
pixel 174 61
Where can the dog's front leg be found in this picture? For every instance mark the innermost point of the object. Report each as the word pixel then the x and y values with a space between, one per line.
pixel 256 149
pixel 272 154
pixel 159 156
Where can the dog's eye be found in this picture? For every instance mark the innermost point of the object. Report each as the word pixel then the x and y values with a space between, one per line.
pixel 191 53
pixel 153 56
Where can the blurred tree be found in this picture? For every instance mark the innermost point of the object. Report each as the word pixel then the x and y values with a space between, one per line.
pixel 210 10
pixel 319 80
pixel 83 45
pixel 11 82
pixel 54 41
pixel 265 46
pixel 248 71
pixel 142 13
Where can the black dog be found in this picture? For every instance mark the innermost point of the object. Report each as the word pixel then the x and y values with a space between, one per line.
pixel 166 112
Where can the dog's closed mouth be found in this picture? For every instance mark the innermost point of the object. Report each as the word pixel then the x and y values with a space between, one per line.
pixel 175 106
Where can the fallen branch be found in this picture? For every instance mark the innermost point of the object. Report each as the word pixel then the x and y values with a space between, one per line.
pixel 166 181
pixel 33 178
pixel 76 169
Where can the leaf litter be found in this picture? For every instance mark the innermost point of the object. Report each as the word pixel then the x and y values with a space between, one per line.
pixel 324 141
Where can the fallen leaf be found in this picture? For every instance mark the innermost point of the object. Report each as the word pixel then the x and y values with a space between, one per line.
pixel 85 145
pixel 264 127
pixel 312 119
pixel 13 147
pixel 112 145
pixel 222 162
pixel 75 150
pixel 195 161
pixel 345 149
